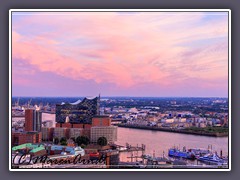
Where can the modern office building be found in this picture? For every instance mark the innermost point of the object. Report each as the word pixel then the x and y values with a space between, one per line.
pixel 82 118
pixel 33 120
pixel 80 112
pixel 109 132
pixel 75 132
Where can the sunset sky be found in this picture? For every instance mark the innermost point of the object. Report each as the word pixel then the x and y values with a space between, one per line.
pixel 120 54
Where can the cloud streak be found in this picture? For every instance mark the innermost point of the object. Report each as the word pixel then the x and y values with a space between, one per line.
pixel 125 51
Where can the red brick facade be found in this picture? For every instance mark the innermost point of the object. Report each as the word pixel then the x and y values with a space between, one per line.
pixel 58 125
pixel 96 121
pixel 67 125
pixel 101 121
pixel 27 137
pixel 28 120
pixel 77 125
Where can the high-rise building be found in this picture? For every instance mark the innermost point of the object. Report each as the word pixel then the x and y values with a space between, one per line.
pixel 83 118
pixel 80 112
pixel 33 120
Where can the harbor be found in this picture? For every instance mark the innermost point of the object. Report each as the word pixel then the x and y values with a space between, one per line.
pixel 175 158
pixel 140 148
pixel 58 156
pixel 157 142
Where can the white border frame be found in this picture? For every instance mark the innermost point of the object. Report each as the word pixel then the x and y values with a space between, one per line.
pixel 120 10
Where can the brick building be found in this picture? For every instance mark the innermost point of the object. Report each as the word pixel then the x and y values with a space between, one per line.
pixel 75 132
pixel 101 121
pixel 100 126
pixel 109 132
pixel 33 120
pixel 59 132
pixel 47 134
pixel 26 137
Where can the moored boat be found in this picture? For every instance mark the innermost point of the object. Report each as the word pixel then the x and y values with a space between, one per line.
pixel 199 152
pixel 174 152
pixel 213 158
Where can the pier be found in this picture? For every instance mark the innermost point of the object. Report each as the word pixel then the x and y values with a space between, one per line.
pixel 130 148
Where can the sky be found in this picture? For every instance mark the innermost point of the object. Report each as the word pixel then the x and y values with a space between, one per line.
pixel 154 54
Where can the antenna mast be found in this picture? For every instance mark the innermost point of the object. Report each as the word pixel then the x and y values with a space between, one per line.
pixel 99 104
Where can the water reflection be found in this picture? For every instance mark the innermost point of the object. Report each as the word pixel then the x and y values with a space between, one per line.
pixel 158 142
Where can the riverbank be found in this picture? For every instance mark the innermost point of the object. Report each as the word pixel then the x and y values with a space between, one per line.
pixel 194 131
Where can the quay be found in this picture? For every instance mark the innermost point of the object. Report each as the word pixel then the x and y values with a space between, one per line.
pixel 130 148
pixel 183 131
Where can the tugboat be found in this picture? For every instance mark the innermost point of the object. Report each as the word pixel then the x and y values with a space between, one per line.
pixel 174 152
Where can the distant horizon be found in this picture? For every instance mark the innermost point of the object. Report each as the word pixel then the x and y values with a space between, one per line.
pixel 119 96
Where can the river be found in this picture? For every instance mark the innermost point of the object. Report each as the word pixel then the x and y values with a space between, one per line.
pixel 159 141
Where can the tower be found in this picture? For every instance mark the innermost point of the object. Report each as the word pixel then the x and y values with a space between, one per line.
pixel 33 120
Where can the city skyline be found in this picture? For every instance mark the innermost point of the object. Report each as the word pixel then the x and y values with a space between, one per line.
pixel 221 97
pixel 153 54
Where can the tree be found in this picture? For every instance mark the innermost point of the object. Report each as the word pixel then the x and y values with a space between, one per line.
pixel 63 141
pixel 56 140
pixel 82 140
pixel 102 141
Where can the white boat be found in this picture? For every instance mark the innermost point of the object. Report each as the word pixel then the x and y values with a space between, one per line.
pixel 212 159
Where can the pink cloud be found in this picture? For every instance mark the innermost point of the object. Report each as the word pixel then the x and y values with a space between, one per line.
pixel 125 50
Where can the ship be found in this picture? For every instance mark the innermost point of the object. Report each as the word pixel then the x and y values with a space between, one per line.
pixel 213 158
pixel 174 152
pixel 199 152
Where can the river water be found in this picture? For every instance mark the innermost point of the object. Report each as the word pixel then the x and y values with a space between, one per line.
pixel 158 141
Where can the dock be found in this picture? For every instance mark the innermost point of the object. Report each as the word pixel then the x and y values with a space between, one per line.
pixel 130 148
